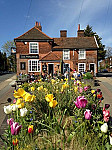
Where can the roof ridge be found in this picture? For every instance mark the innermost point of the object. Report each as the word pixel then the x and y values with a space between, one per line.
pixel 48 54
pixel 42 32
pixel 24 33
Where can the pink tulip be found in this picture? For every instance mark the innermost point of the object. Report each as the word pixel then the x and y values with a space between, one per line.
pixel 15 128
pixel 106 115
pixel 10 121
pixel 80 102
pixel 86 88
pixel 80 89
pixel 87 114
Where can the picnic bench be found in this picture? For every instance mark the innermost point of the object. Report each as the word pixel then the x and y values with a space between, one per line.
pixel 22 79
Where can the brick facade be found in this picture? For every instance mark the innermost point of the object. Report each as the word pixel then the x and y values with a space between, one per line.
pixel 52 52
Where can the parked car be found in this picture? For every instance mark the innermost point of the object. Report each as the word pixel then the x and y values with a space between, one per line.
pixel 104 70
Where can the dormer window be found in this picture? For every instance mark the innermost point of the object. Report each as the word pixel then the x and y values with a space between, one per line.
pixel 66 54
pixel 33 48
pixel 82 54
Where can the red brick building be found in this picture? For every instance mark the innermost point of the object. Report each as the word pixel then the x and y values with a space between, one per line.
pixel 37 52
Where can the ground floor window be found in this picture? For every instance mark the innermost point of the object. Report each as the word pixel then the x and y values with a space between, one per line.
pixel 22 65
pixel 34 65
pixel 66 67
pixel 81 67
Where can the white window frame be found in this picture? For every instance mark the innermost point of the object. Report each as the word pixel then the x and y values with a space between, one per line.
pixel 84 66
pixel 80 50
pixel 63 67
pixel 67 50
pixel 37 47
pixel 37 60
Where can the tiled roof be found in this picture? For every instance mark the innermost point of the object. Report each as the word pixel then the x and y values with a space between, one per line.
pixel 75 42
pixel 33 34
pixel 50 56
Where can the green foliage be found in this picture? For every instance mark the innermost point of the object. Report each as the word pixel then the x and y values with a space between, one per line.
pixel 63 126
pixel 7 47
pixel 101 52
pixel 88 75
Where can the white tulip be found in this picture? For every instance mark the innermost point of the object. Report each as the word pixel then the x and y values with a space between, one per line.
pixel 8 109
pixel 14 107
pixel 23 112
pixel 104 128
pixel 110 137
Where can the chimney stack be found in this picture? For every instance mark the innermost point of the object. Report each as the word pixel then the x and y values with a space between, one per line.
pixel 63 33
pixel 38 25
pixel 78 26
pixel 80 33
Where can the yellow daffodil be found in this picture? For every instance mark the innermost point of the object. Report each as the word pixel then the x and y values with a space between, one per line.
pixel 29 98
pixel 20 103
pixel 62 80
pixel 32 88
pixel 94 95
pixel 53 81
pixel 53 103
pixel 64 86
pixel 49 97
pixel 72 78
pixel 66 79
pixel 40 80
pixel 92 91
pixel 45 90
pixel 40 88
pixel 76 89
pixel 19 93
pixel 19 100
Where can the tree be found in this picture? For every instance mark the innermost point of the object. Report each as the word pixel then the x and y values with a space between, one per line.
pixel 7 47
pixel 101 52
pixel 3 62
pixel 109 56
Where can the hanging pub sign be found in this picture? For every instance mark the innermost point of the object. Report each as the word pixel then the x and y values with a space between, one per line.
pixel 13 50
pixel 29 56
pixel 44 67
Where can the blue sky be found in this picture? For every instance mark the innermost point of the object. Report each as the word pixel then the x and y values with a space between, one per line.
pixel 55 15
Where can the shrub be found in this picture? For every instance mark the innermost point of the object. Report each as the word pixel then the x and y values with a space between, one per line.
pixel 88 75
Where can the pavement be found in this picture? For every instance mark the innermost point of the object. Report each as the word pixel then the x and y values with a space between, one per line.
pixel 105 84
pixel 6 91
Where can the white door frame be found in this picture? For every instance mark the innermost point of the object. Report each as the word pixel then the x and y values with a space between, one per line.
pixel 94 67
pixel 48 67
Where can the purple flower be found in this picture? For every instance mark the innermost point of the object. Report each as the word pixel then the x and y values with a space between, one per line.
pixel 15 128
pixel 107 106
pixel 98 90
pixel 87 114
pixel 10 121
pixel 81 102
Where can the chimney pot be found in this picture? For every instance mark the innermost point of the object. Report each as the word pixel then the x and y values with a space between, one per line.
pixel 78 26
pixel 39 24
pixel 36 24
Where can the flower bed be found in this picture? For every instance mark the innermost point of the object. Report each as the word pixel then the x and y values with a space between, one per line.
pixel 58 114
